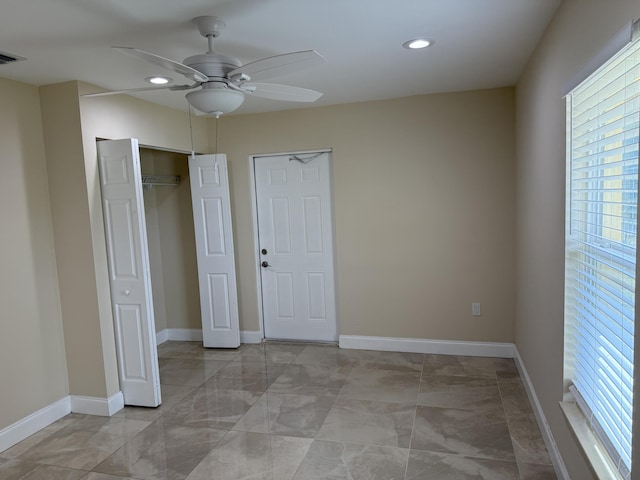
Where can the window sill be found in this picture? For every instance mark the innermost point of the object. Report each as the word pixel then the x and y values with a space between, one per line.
pixel 597 456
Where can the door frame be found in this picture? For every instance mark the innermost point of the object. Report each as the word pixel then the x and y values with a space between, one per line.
pixel 256 239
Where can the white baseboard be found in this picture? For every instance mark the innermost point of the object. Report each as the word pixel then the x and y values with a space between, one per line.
pixel 247 336
pixel 195 335
pixel 418 345
pixel 552 448
pixel 179 335
pixel 30 424
pixel 104 407
pixel 185 334
pixel 162 336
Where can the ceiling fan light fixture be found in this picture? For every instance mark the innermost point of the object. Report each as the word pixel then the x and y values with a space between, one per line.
pixel 158 80
pixel 418 43
pixel 217 101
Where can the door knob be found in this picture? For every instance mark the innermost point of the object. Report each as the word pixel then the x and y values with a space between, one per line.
pixel 265 264
pixel 127 292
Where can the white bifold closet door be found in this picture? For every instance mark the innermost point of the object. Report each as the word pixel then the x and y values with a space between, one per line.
pixel 214 248
pixel 129 277
pixel 128 261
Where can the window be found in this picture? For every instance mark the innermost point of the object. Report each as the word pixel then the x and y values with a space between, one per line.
pixel 603 115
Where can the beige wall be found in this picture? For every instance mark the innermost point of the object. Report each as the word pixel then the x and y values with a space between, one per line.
pixel 32 356
pixel 178 245
pixel 88 337
pixel 174 271
pixel 153 242
pixel 424 210
pixel 579 30
pixel 423 199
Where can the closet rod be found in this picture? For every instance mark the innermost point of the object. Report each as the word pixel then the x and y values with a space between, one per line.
pixel 160 180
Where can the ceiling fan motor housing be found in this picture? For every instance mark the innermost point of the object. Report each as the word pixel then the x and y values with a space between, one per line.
pixel 213 64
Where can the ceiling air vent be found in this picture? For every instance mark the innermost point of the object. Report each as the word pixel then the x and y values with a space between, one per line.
pixel 8 58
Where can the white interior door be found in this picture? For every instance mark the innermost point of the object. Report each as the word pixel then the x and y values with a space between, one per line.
pixel 128 258
pixel 295 230
pixel 214 246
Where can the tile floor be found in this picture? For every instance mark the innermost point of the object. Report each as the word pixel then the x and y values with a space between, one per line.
pixel 282 411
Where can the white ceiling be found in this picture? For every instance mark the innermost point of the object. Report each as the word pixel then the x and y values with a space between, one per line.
pixel 478 43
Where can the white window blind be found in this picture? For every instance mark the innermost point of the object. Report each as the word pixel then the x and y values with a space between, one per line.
pixel 603 115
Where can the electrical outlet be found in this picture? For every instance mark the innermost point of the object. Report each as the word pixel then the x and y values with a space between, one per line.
pixel 475 309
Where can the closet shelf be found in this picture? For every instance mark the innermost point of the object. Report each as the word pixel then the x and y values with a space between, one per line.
pixel 160 180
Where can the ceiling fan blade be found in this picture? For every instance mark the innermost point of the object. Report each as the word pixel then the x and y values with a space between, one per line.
pixel 287 93
pixel 190 73
pixel 143 89
pixel 279 65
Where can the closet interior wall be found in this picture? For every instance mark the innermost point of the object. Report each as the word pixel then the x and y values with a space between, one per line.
pixel 171 239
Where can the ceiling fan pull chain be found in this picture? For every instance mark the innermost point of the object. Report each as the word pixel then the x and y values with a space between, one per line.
pixel 304 160
pixel 216 144
pixel 193 153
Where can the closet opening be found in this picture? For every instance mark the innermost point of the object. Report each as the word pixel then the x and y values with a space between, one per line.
pixel 172 245
pixel 170 254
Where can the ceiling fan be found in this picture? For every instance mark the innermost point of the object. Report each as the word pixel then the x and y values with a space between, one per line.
pixel 220 82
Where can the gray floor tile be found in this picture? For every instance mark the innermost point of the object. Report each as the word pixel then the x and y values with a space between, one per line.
pixel 326 356
pixel 240 368
pixel 36 438
pixel 530 471
pixel 459 365
pixel 370 423
pixel 103 476
pixel 282 353
pixel 189 372
pixel 246 455
pixel 11 469
pixel 311 380
pixel 282 411
pixel 84 443
pixel 250 382
pixel 506 368
pixel 286 414
pixel 398 361
pixel 381 385
pixel 480 394
pixel 528 443
pixel 178 349
pixel 341 461
pixel 462 432
pixel 437 466
pixel 163 451
pixel 514 398
pixel 211 407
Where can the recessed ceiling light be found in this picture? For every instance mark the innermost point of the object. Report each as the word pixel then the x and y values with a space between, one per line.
pixel 159 80
pixel 417 43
